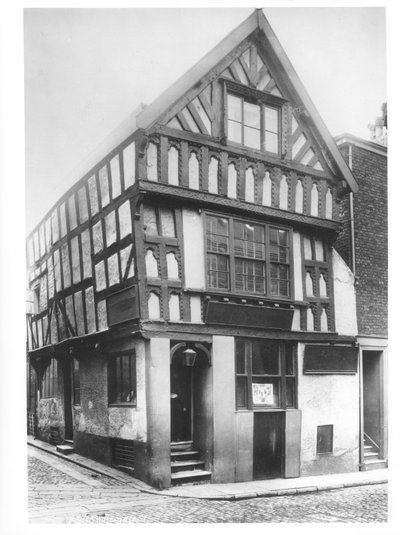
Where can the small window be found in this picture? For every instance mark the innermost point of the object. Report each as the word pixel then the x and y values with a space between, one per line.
pixel 265 374
pixel 50 381
pixel 122 379
pixel 253 123
pixel 324 439
pixel 159 221
pixel 76 383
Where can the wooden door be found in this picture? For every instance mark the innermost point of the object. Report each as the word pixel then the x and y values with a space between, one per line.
pixel 268 445
pixel 68 433
pixel 181 403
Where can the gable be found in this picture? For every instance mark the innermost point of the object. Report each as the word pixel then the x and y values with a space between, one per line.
pixel 202 115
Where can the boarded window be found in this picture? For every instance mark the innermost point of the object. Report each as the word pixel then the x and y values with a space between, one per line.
pixel 320 359
pixel 50 381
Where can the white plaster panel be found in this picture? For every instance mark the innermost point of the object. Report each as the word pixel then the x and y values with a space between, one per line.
pixel 193 243
pixel 328 400
pixel 297 267
pixel 345 297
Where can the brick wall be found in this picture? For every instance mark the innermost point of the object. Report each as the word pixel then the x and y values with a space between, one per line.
pixel 371 231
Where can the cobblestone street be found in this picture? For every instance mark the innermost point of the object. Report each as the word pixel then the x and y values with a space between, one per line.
pixel 62 492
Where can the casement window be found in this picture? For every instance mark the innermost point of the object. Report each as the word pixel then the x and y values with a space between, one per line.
pixel 49 387
pixel 159 221
pixel 254 122
pixel 76 383
pixel 122 379
pixel 247 257
pixel 265 374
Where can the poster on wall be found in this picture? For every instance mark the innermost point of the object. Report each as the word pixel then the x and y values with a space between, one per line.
pixel 263 394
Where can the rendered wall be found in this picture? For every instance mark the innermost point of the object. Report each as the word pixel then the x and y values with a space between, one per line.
pixel 344 295
pixel 326 400
pixel 223 358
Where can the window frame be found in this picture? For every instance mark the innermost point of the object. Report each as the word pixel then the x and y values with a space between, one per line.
pixel 115 386
pixel 285 348
pixel 266 261
pixel 263 100
pixel 49 381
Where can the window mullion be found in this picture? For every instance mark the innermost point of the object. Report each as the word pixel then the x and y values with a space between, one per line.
pixel 231 255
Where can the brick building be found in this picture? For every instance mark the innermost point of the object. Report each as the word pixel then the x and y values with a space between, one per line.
pixel 363 243
pixel 191 318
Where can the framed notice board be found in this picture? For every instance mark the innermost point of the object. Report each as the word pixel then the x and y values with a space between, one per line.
pixel 319 359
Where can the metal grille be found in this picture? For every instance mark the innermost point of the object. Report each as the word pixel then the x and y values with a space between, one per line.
pixel 31 423
pixel 55 435
pixel 123 453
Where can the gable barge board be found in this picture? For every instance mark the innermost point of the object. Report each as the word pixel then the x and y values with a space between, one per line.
pixel 209 200
pixel 236 150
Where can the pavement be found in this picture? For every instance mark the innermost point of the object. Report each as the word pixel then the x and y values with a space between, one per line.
pixel 225 491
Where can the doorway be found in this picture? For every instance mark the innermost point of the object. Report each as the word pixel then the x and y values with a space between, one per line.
pixel 181 402
pixel 268 445
pixel 372 397
pixel 68 422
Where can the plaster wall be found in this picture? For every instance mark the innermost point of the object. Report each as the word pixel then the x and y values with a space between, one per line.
pixel 224 408
pixel 193 245
pixel 344 295
pixel 328 400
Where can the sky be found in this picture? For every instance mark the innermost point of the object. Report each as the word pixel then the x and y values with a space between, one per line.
pixel 87 69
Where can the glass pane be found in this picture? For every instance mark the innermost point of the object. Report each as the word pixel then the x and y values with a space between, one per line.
pixel 283 237
pixel 251 114
pixel 240 354
pixel 289 368
pixel 235 131
pixel 150 220
pixel 234 108
pixel 241 392
pixel 218 271
pixel 252 138
pixel 271 142
pixel 271 120
pixel 265 358
pixel 266 391
pixel 167 222
pixel 290 392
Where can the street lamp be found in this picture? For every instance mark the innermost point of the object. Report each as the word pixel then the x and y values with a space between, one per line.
pixel 189 356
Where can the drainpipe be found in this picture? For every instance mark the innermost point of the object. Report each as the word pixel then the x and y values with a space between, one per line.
pixel 352 239
pixel 360 353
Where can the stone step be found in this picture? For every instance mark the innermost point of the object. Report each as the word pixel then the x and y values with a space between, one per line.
pixel 184 455
pixel 177 466
pixel 65 449
pixel 371 455
pixel 182 446
pixel 374 464
pixel 190 476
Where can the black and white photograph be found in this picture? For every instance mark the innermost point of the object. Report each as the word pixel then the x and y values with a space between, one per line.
pixel 204 272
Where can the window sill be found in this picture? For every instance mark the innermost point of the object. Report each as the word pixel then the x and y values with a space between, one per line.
pixel 127 405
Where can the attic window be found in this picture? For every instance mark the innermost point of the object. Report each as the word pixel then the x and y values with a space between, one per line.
pixel 253 123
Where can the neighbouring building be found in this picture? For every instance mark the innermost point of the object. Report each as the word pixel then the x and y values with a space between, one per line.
pixel 191 317
pixel 363 243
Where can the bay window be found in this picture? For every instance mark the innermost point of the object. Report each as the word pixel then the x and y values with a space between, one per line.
pixel 247 257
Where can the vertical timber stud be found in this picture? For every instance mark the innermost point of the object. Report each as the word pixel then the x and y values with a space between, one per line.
pixel 158 412
pixel 163 177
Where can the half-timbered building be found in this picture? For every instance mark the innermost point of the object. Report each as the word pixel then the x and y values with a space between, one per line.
pixel 190 316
